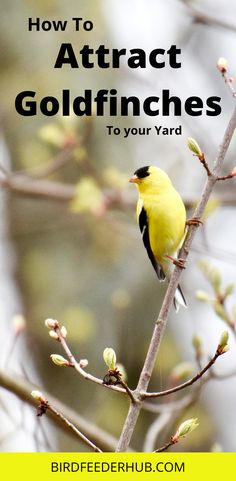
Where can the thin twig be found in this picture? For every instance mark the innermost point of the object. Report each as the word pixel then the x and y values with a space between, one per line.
pixel 229 82
pixel 185 401
pixel 161 322
pixel 52 166
pixel 128 390
pixel 184 384
pixel 205 164
pixel 155 429
pixel 22 389
pixel 73 428
pixel 226 177
pixel 38 188
pixel 80 370
pixel 59 191
pixel 165 447
pixel 168 407
pixel 206 19
pixel 175 414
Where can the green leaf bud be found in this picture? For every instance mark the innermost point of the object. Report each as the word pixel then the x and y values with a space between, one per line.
pixel 229 289
pixel 38 396
pixel 109 357
pixel 221 312
pixel 185 428
pixel 59 360
pixel 197 342
pixel 53 135
pixel 194 147
pixel 203 296
pixel 223 343
pixel 215 279
pixel 181 371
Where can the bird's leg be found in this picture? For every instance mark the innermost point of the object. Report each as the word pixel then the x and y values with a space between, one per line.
pixel 194 221
pixel 177 262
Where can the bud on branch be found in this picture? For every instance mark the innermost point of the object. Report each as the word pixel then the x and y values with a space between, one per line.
pixel 185 428
pixel 109 357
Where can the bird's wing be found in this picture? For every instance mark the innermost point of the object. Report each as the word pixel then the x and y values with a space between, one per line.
pixel 143 225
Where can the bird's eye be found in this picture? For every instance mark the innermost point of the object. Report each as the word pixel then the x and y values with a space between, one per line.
pixel 142 172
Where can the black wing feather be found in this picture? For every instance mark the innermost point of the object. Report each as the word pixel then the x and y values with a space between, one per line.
pixel 143 225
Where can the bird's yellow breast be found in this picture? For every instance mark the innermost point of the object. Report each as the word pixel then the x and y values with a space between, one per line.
pixel 166 217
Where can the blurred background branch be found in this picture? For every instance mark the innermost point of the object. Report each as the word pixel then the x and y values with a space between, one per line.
pixel 22 388
pixel 204 18
pixel 59 191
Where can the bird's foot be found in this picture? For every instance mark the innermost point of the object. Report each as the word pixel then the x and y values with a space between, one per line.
pixel 194 221
pixel 177 262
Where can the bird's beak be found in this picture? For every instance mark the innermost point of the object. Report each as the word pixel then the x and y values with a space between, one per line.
pixel 135 179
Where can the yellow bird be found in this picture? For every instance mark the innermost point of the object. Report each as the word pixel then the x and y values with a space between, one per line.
pixel 162 220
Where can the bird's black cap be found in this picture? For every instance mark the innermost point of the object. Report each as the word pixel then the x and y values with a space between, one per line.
pixel 142 172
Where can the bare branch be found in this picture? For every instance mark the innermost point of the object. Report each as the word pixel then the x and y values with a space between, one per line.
pixel 205 164
pixel 172 412
pixel 229 82
pixel 128 390
pixel 184 384
pixel 155 429
pixel 25 185
pixel 22 389
pixel 72 427
pixel 38 188
pixel 185 428
pixel 170 406
pixel 206 19
pixel 165 447
pixel 80 370
pixel 231 175
pixel 161 322
pixel 52 166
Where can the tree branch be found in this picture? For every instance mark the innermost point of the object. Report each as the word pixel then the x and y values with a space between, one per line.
pixel 53 165
pixel 229 82
pixel 24 185
pixel 38 188
pixel 72 427
pixel 155 429
pixel 80 369
pixel 161 322
pixel 171 409
pixel 184 384
pixel 206 19
pixel 22 389
pixel 165 447
pixel 170 406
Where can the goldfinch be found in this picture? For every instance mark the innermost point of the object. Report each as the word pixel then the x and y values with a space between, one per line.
pixel 162 221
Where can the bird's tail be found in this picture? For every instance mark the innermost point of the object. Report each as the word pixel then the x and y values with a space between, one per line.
pixel 179 299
